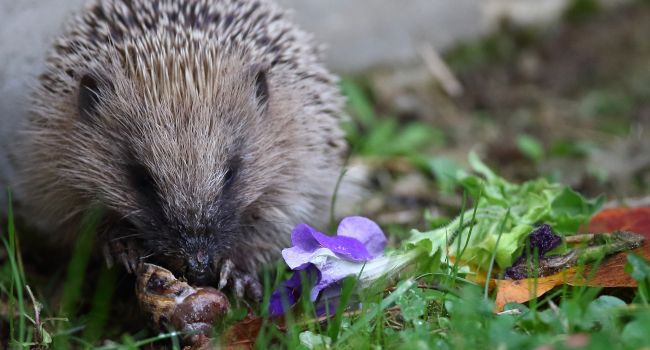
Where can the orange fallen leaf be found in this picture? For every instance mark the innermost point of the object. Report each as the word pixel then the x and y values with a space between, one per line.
pixel 242 334
pixel 520 291
pixel 610 273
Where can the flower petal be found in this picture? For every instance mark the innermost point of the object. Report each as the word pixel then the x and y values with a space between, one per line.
pixel 328 300
pixel 288 292
pixel 332 271
pixel 303 237
pixel 365 231
pixel 346 247
pixel 306 239
pixel 285 296
pixel 298 259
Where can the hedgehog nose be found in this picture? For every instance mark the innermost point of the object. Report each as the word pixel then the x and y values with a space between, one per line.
pixel 199 267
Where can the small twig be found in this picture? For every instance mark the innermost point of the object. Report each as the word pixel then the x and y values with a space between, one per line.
pixel 38 336
pixel 440 71
pixel 600 245
pixel 628 202
pixel 554 308
pixel 510 312
pixel 581 238
pixel 558 314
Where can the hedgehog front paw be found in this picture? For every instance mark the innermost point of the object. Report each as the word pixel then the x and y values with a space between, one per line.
pixel 125 252
pixel 241 283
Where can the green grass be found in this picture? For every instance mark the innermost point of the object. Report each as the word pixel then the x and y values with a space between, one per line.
pixel 13 286
pixel 463 318
pixel 448 316
pixel 429 311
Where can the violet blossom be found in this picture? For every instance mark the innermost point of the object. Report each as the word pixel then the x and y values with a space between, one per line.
pixel 356 250
pixel 539 242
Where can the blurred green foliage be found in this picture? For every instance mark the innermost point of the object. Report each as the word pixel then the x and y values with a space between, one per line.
pixel 580 10
pixel 501 46
pixel 530 147
pixel 383 136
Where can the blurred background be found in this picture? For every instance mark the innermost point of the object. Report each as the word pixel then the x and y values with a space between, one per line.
pixel 553 88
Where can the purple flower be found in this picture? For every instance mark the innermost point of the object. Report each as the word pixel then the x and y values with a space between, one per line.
pixel 329 259
pixel 540 241
pixel 288 292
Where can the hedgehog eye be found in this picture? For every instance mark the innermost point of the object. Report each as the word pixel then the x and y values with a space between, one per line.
pixel 229 177
pixel 261 88
pixel 232 170
pixel 88 97
pixel 143 181
pixel 261 84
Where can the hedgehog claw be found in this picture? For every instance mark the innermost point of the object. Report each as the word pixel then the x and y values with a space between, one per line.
pixel 125 253
pixel 106 250
pixel 242 284
pixel 226 272
pixel 238 287
pixel 254 287
pixel 245 284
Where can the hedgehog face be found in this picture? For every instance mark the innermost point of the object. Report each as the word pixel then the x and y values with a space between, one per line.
pixel 190 163
pixel 207 129
pixel 200 155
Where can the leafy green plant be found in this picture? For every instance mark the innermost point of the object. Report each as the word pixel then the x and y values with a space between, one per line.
pixel 579 10
pixel 606 104
pixel 522 206
pixel 530 147
pixel 370 135
pixel 27 327
pixel 13 286
pixel 445 171
pixel 639 269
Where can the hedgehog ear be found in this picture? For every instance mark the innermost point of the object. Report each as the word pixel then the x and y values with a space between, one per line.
pixel 88 99
pixel 261 84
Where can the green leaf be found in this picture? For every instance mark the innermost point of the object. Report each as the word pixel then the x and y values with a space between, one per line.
pixel 414 136
pixel 46 338
pixel 571 209
pixel 358 102
pixel 312 340
pixel 635 333
pixel 372 312
pixel 445 170
pixel 638 268
pixel 528 204
pixel 599 312
pixel 530 147
pixel 379 139
pixel 385 137
pixel 412 304
pixel 481 168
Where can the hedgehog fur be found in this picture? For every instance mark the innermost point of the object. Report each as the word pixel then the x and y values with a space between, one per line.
pixel 205 129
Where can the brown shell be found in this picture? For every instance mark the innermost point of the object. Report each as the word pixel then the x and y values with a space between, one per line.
pixel 172 303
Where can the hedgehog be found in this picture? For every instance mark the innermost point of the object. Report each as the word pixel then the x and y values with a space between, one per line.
pixel 203 129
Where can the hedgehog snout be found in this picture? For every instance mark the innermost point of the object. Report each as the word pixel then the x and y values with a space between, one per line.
pixel 199 268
